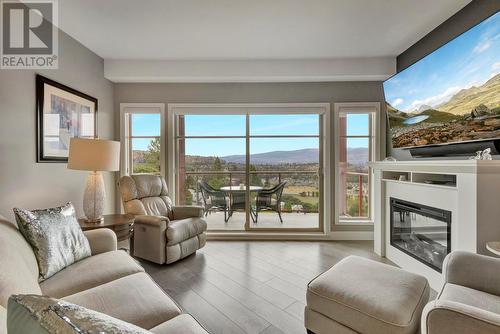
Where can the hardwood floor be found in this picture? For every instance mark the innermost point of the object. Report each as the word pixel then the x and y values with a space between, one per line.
pixel 251 286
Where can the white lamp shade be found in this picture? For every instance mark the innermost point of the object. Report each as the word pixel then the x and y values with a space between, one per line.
pixel 94 154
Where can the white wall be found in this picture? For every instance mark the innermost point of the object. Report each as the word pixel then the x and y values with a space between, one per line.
pixel 23 182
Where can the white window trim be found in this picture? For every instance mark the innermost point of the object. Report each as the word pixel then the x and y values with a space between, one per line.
pixel 355 107
pixel 256 108
pixel 140 108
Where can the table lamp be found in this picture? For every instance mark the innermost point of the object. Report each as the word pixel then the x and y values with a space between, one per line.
pixel 94 155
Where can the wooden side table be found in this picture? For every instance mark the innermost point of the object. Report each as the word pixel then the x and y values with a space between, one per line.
pixel 122 225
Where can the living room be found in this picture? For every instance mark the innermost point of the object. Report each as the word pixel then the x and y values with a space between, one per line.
pixel 250 167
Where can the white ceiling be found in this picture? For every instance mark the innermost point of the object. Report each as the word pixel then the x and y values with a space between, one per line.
pixel 251 29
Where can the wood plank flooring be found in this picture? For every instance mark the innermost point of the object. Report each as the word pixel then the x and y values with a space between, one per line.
pixel 255 287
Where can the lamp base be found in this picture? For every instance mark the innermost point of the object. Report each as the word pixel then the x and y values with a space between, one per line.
pixel 94 197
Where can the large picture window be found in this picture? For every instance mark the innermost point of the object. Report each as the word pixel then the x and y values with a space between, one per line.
pixel 142 141
pixel 252 168
pixel 355 149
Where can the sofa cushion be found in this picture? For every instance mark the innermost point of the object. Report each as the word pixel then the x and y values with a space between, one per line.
pixel 183 323
pixel 184 229
pixel 18 266
pixel 134 298
pixel 55 236
pixel 369 297
pixel 43 315
pixel 90 272
pixel 472 297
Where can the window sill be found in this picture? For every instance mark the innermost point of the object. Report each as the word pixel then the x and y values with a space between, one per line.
pixel 350 222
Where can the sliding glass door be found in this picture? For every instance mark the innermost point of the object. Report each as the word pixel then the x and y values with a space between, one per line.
pixel 211 153
pixel 252 168
pixel 284 160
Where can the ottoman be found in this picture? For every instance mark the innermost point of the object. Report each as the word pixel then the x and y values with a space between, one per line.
pixel 358 295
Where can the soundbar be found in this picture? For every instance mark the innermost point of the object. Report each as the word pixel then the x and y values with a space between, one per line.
pixel 456 149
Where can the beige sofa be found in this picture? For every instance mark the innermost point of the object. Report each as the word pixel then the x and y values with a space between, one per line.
pixel 469 301
pixel 109 281
pixel 163 233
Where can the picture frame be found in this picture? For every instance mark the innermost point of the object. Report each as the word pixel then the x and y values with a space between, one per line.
pixel 61 114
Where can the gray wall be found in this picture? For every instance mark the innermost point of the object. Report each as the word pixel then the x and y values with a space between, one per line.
pixel 250 93
pixel 463 20
pixel 23 182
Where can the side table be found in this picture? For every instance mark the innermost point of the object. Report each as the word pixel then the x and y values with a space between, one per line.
pixel 121 224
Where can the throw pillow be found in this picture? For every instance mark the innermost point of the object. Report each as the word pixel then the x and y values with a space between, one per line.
pixel 42 315
pixel 55 236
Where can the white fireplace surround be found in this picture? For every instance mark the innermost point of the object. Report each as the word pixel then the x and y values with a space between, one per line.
pixel 471 193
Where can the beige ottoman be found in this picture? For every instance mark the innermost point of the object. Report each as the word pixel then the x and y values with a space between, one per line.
pixel 358 295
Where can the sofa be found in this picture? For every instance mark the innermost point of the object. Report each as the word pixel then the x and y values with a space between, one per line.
pixel 163 232
pixel 109 281
pixel 469 301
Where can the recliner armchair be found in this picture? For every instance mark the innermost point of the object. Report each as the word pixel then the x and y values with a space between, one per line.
pixel 163 232
pixel 469 301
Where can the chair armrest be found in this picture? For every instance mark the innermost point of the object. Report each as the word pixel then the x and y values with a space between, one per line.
pixel 447 317
pixel 474 271
pixel 157 221
pixel 101 240
pixel 187 211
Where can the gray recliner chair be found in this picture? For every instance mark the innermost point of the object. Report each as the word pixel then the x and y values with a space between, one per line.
pixel 163 233
pixel 469 301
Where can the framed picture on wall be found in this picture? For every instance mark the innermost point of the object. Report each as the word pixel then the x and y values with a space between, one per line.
pixel 62 113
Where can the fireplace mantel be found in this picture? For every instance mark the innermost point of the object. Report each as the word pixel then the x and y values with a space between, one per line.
pixel 470 189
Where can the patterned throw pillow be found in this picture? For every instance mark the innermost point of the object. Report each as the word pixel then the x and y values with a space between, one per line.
pixel 55 236
pixel 42 315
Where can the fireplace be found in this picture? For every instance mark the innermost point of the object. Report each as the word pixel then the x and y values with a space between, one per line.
pixel 421 231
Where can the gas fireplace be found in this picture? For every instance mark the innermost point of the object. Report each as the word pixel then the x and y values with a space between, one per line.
pixel 421 231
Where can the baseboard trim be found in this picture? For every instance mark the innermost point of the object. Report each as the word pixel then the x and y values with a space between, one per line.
pixel 351 235
pixel 335 235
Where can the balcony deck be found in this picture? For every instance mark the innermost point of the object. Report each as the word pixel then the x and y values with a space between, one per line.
pixel 215 221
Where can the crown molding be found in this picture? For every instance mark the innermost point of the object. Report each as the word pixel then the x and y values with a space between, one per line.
pixel 300 70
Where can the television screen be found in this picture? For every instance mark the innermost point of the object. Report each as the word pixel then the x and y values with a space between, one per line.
pixel 451 95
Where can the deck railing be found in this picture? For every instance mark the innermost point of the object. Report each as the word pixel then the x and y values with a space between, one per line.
pixel 360 182
pixel 232 175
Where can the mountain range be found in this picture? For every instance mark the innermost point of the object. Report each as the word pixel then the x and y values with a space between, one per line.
pixel 358 155
pixel 459 105
pixel 466 100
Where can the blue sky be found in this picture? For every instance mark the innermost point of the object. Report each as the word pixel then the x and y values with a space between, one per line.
pixel 234 125
pixel 469 60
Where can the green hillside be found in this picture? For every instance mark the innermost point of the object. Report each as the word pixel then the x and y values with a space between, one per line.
pixel 436 116
pixel 467 99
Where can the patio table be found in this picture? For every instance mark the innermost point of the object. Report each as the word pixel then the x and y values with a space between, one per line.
pixel 231 189
pixel 239 190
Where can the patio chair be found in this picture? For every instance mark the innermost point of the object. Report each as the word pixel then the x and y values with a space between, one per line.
pixel 237 202
pixel 213 200
pixel 269 199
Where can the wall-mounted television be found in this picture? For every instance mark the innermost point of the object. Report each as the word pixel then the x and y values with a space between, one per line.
pixel 450 96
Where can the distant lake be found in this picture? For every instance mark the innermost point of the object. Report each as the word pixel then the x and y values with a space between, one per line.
pixel 415 120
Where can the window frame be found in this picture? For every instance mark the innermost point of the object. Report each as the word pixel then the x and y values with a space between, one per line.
pixel 128 109
pixel 373 110
pixel 322 109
